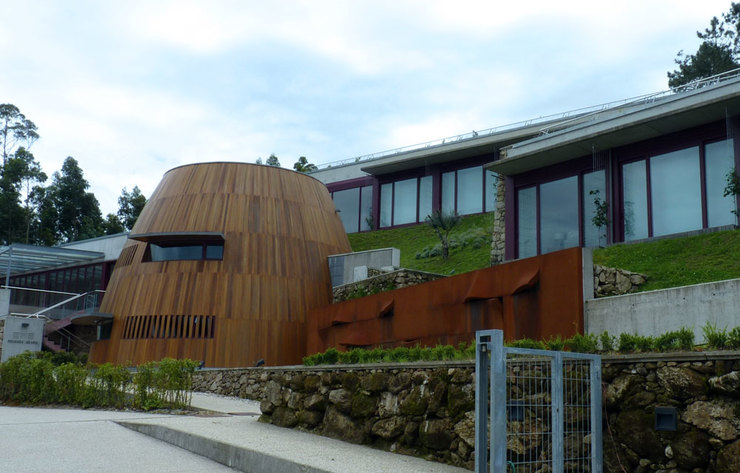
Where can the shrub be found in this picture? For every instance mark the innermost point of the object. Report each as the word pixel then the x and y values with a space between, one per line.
pixel 608 342
pixel 714 337
pixel 583 343
pixel 109 383
pixel 71 380
pixel 627 343
pixel 733 338
pixel 555 344
pixel 527 343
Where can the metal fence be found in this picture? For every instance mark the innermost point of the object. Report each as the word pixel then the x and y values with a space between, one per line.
pixel 536 411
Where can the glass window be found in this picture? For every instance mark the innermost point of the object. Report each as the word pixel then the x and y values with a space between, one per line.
pixel 425 197
pixel 170 253
pixel 215 251
pixel 347 203
pixel 634 184
pixel 386 204
pixel 594 186
pixel 527 222
pixel 448 192
pixel 559 214
pixel 719 160
pixel 366 208
pixel 676 192
pixel 490 190
pixel 404 201
pixel 470 190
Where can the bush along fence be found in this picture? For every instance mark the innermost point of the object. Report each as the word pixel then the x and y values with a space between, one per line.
pixel 35 379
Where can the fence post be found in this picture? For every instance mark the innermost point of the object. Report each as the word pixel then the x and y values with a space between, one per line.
pixel 498 403
pixel 557 411
pixel 597 454
pixel 482 367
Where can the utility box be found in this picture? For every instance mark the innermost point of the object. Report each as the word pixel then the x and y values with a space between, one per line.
pixel 22 334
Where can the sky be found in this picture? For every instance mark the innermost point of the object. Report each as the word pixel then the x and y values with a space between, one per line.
pixel 132 88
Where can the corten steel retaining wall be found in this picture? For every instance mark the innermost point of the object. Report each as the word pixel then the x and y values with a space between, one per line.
pixel 427 409
pixel 535 297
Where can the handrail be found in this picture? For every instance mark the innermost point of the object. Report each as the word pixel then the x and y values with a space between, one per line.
pixel 58 304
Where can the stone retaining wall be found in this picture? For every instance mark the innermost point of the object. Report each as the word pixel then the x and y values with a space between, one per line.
pixel 427 409
pixel 615 282
pixel 382 282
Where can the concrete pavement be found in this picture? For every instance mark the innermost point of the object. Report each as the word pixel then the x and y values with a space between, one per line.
pixel 36 440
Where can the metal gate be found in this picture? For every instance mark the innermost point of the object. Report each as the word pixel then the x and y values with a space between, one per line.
pixel 541 408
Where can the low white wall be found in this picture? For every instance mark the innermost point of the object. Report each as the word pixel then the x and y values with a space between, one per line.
pixel 657 312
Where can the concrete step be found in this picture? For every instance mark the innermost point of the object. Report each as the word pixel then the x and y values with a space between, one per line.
pixel 52 345
pixel 243 443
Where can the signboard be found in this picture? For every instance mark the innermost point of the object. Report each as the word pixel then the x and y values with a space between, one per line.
pixel 22 334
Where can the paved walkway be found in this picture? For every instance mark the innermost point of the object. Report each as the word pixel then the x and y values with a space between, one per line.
pixel 35 440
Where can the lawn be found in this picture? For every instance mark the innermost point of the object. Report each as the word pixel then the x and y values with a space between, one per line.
pixel 472 237
pixel 676 262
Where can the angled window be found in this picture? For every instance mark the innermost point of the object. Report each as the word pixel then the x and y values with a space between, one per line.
pixel 182 246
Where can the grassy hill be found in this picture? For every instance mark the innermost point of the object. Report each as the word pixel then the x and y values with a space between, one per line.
pixel 676 262
pixel 470 245
pixel 667 263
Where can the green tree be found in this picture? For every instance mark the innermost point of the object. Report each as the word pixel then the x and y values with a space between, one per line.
pixel 443 223
pixel 15 130
pixel 130 205
pixel 302 165
pixel 113 225
pixel 273 161
pixel 76 211
pixel 719 51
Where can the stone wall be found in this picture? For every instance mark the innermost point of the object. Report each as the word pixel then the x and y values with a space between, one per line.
pixel 427 409
pixel 498 237
pixel 615 282
pixel 418 409
pixel 382 282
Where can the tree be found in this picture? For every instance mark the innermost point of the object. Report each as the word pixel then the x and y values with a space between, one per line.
pixel 77 211
pixel 130 205
pixel 719 51
pixel 302 165
pixel 15 130
pixel 112 225
pixel 273 161
pixel 443 223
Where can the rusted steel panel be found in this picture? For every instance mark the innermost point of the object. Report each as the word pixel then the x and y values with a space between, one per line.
pixel 537 297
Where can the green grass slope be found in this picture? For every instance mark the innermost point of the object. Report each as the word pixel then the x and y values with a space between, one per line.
pixel 473 237
pixel 678 261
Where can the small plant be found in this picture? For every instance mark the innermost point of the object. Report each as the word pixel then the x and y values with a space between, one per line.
pixel 714 337
pixel 627 343
pixel 555 344
pixel 578 343
pixel 527 343
pixel 733 339
pixel 732 187
pixel 600 218
pixel 442 223
pixel 608 342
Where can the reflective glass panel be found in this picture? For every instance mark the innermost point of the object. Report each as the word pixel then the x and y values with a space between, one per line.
pixel 490 191
pixel 594 186
pixel 170 253
pixel 527 222
pixel 634 184
pixel 425 197
pixel 386 204
pixel 676 192
pixel 559 214
pixel 347 203
pixel 404 202
pixel 366 208
pixel 719 160
pixel 215 251
pixel 448 192
pixel 470 190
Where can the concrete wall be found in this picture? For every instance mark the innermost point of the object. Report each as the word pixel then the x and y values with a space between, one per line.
pixel 657 312
pixel 340 173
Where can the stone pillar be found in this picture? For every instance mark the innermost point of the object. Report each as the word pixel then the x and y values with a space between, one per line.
pixel 498 237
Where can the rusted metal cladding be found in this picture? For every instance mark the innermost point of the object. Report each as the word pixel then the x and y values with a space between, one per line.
pixel 276 228
pixel 537 298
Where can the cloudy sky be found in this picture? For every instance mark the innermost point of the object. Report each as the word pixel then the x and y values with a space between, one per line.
pixel 133 88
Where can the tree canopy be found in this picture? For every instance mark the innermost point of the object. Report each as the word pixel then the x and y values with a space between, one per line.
pixel 302 165
pixel 273 161
pixel 718 52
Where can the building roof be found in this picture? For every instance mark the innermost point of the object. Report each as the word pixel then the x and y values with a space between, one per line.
pixel 646 118
pixel 19 258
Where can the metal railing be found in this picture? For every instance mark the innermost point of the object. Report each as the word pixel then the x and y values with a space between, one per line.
pixel 558 120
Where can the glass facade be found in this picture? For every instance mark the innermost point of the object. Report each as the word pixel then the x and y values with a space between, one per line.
pixel 386 205
pixel 719 161
pixel 425 197
pixel 404 201
pixel 171 251
pixel 490 190
pixel 470 190
pixel 594 187
pixel 634 202
pixel 527 222
pixel 366 208
pixel 676 192
pixel 559 214
pixel 355 208
pixel 448 192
